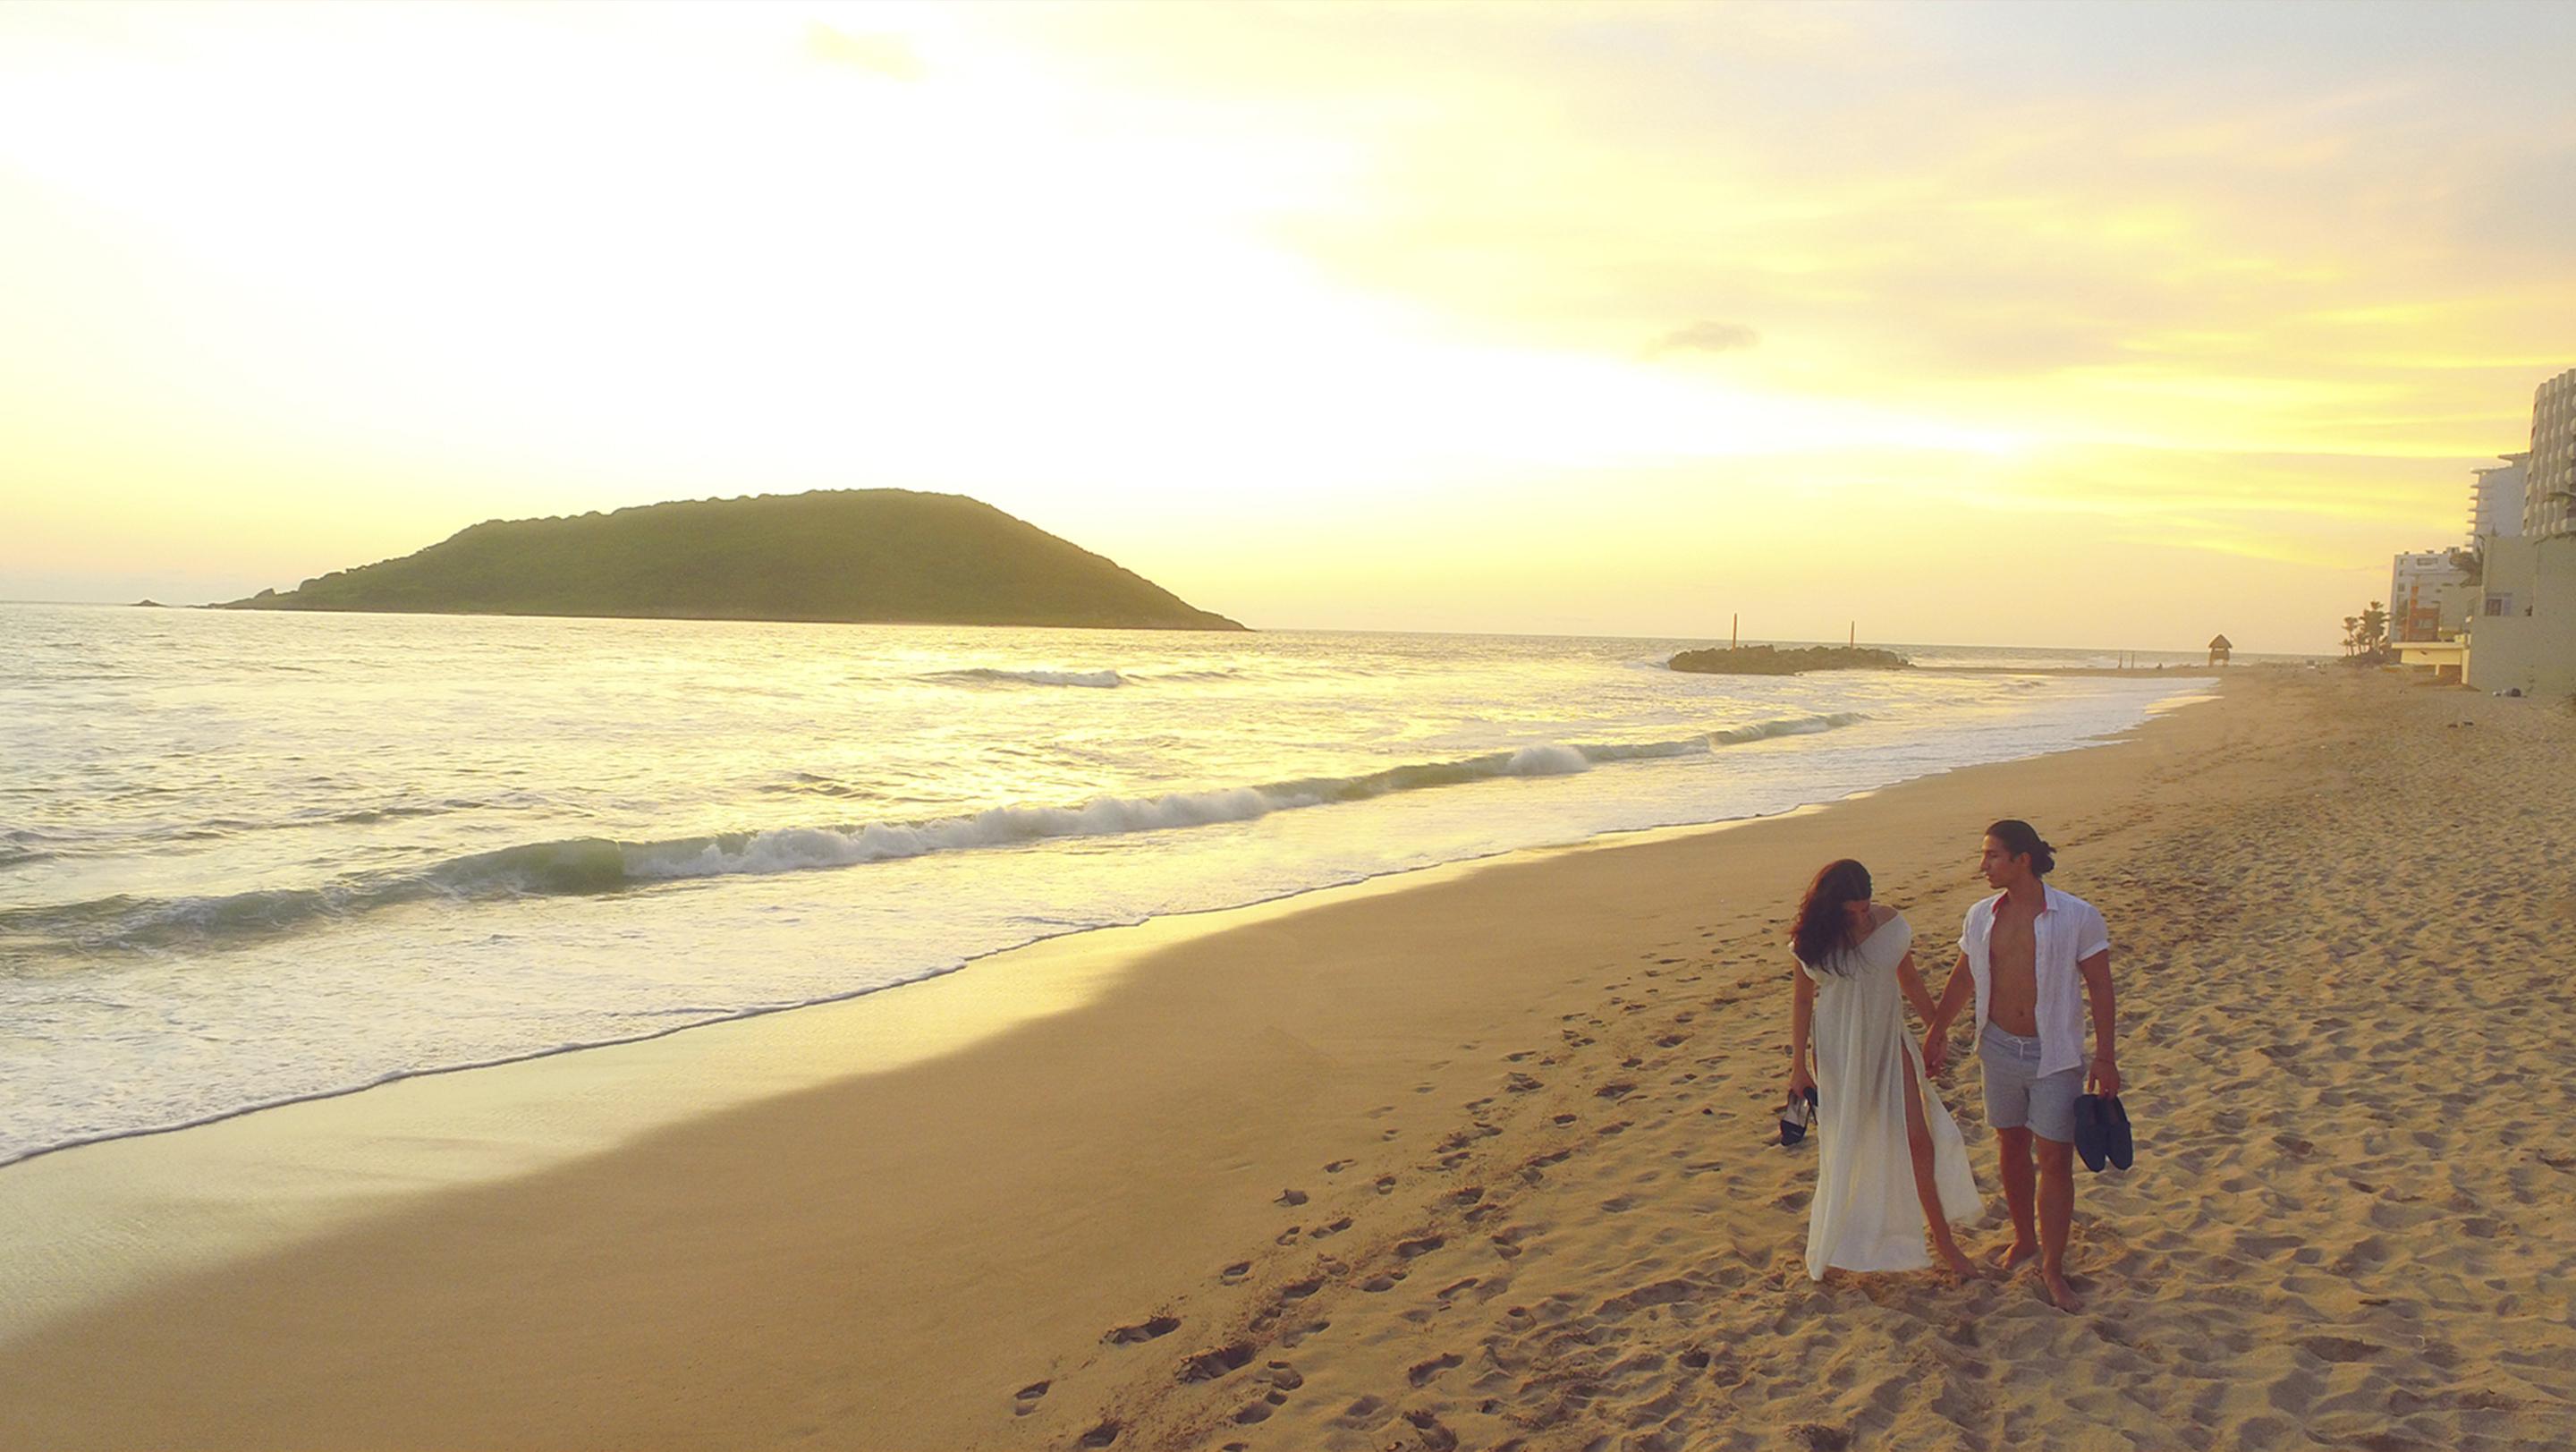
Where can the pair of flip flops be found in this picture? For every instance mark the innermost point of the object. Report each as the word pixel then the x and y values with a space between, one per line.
pixel 2102 1132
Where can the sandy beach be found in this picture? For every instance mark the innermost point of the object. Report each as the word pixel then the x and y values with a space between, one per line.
pixel 1471 1159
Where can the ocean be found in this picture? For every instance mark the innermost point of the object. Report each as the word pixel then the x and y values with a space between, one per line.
pixel 252 858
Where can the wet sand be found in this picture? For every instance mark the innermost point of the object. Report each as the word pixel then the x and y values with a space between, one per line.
pixel 1472 1159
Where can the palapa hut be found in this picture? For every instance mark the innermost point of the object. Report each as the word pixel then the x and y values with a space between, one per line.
pixel 2219 646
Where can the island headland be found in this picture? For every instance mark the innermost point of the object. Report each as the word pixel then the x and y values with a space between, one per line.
pixel 872 556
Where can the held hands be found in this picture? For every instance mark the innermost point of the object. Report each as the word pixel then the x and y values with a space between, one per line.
pixel 1936 1049
pixel 2105 1078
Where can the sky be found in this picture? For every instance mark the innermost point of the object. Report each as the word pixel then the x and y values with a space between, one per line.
pixel 2060 324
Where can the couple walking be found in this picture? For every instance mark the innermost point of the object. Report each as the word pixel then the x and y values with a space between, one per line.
pixel 1893 1166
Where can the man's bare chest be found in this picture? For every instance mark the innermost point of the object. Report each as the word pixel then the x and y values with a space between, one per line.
pixel 2012 950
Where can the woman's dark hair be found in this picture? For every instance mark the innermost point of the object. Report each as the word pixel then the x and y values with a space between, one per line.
pixel 2020 839
pixel 1823 929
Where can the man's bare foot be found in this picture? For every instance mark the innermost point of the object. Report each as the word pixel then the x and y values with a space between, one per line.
pixel 2012 1253
pixel 2060 1294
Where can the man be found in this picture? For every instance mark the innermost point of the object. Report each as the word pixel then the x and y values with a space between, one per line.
pixel 2021 954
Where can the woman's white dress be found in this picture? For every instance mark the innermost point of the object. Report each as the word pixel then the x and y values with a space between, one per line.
pixel 1866 1216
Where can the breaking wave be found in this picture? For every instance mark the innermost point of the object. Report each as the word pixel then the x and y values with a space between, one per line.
pixel 591 865
pixel 1094 680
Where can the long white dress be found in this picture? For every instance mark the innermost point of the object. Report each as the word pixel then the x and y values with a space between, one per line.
pixel 1866 1216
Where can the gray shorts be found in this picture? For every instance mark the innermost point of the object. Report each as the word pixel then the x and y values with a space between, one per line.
pixel 2018 1095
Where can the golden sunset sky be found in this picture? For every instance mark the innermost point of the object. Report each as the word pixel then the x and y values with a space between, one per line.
pixel 2023 324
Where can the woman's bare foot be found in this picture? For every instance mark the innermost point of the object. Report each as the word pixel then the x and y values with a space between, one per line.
pixel 2060 1294
pixel 2012 1253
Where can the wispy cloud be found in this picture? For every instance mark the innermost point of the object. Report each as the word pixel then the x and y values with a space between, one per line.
pixel 1705 337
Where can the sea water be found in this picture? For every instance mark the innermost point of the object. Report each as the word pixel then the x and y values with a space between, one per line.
pixel 249 858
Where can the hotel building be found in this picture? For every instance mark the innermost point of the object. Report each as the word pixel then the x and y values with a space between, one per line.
pixel 2496 499
pixel 2549 488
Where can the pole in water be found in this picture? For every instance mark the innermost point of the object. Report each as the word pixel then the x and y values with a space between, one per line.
pixel 1734 629
pixel 1854 637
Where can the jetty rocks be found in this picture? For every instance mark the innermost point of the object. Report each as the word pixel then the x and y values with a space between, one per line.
pixel 1765 660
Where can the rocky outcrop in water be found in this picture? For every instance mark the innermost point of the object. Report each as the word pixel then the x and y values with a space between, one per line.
pixel 1764 660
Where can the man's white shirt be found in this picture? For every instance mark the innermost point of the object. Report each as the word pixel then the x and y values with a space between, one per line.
pixel 2067 931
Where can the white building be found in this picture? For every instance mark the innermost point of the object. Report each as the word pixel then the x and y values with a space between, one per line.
pixel 2549 489
pixel 2427 595
pixel 2525 639
pixel 2495 500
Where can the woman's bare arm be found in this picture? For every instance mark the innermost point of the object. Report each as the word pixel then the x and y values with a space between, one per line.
pixel 1910 979
pixel 1802 1012
pixel 1954 996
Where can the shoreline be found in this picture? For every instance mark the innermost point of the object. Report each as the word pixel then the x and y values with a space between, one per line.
pixel 1266 1131
pixel 2180 694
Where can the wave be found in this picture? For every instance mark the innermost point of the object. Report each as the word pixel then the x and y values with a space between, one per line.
pixel 1099 680
pixel 1092 680
pixel 1786 726
pixel 594 865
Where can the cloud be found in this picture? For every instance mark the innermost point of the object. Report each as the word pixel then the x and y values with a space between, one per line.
pixel 1705 337
pixel 883 55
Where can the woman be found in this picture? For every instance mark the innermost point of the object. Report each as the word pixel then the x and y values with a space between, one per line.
pixel 1893 1164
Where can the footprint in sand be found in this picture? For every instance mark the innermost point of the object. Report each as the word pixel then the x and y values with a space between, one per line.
pixel 1423 1373
pixel 1027 1397
pixel 1386 1184
pixel 1337 1166
pixel 1143 1331
pixel 1290 1197
pixel 1102 1435
pixel 1235 1274
pixel 1408 1249
pixel 1437 1436
pixel 1300 1290
pixel 1366 1412
pixel 1209 1365
pixel 1325 1232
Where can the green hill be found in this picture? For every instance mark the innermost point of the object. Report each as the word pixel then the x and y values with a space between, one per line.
pixel 888 556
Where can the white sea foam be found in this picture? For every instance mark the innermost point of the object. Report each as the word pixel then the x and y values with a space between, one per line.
pixel 1089 680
